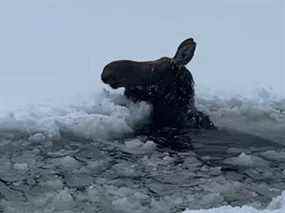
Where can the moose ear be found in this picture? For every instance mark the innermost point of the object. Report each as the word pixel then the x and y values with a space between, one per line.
pixel 185 52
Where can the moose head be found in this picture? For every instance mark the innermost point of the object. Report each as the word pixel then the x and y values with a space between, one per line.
pixel 165 83
pixel 126 73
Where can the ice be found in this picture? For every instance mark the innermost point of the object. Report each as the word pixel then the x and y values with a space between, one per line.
pixel 247 161
pixel 276 206
pixel 133 145
pixel 253 114
pixel 123 199
pixel 54 184
pixel 210 200
pixel 221 185
pixel 37 138
pixel 128 206
pixel 278 202
pixel 136 146
pixel 126 169
pixel 60 153
pixel 274 155
pixel 67 162
pixel 78 181
pixel 63 200
pixel 149 146
pixel 98 166
pixel 52 202
pixel 106 115
pixel 21 166
pixel 95 126
pixel 83 157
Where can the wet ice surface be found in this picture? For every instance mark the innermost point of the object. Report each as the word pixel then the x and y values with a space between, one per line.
pixel 58 164
pixel 131 175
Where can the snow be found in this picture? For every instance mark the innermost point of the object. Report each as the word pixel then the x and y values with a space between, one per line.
pixel 107 116
pixel 99 117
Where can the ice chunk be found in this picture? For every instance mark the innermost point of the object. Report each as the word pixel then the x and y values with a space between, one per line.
pixel 136 146
pixel 21 166
pixel 78 180
pixel 128 205
pixel 212 171
pixel 63 200
pixel 61 153
pixel 97 167
pixel 66 162
pixel 54 184
pixel 28 157
pixel 274 155
pixel 278 203
pixel 149 146
pixel 94 194
pixel 247 161
pixel 42 199
pixel 210 200
pixel 95 126
pixel 126 169
pixel 168 160
pixel 222 185
pixel 37 138
pixel 276 206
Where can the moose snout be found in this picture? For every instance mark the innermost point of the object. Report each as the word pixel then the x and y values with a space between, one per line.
pixel 110 76
pixel 106 75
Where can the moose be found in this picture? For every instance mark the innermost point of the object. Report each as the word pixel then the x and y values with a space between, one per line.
pixel 165 83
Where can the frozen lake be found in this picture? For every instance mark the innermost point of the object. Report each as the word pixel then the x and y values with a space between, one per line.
pixel 84 157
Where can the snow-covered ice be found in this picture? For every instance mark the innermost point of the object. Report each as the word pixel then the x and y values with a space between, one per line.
pixel 83 157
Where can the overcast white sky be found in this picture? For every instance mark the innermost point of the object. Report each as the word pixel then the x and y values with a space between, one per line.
pixel 54 48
